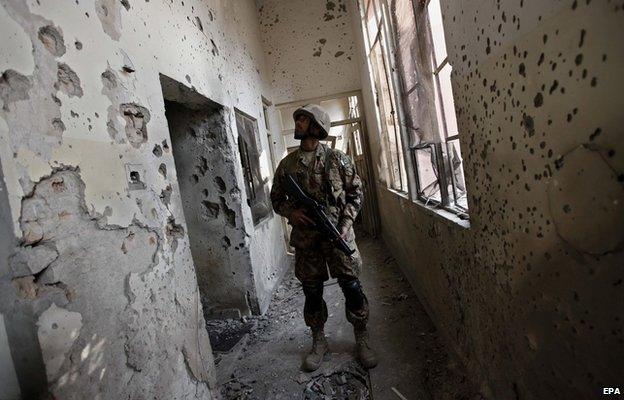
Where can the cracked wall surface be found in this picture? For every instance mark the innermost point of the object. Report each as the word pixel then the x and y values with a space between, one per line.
pixel 202 145
pixel 100 248
pixel 530 295
pixel 310 48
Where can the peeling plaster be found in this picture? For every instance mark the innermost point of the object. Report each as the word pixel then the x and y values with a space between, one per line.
pixel 58 330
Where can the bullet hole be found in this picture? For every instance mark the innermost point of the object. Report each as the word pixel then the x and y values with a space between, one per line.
pixel 188 78
pixel 174 232
pixel 559 162
pixel 220 184
pixel 109 80
pixel 330 5
pixel 136 117
pixel 215 49
pixel 165 146
pixel 553 87
pixel 316 53
pixel 322 41
pixel 135 182
pixel 58 125
pixel 126 4
pixel 541 59
pixel 578 59
pixel 582 39
pixel 545 38
pixel 162 169
pixel 594 135
pixel 13 87
pixel 521 70
pixel 205 192
pixel 574 5
pixel 338 53
pixel 211 210
pixel 78 45
pixel 593 82
pixel 165 195
pixel 230 215
pixel 567 208
pixel 202 168
pixel 68 82
pixel 529 125
pixel 538 100
pixel 226 242
pixel 52 40
pixel 199 24
pixel 195 178
pixel 157 151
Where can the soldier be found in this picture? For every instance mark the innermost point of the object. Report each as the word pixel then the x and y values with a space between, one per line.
pixel 330 178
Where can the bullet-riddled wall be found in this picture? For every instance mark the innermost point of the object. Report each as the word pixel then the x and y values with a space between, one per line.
pixel 310 48
pixel 531 293
pixel 99 295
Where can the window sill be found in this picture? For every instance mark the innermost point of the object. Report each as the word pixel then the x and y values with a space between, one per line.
pixel 399 193
pixel 436 211
pixel 446 215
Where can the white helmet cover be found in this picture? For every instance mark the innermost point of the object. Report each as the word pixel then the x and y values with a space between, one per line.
pixel 316 114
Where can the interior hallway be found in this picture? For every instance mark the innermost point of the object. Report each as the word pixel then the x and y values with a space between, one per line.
pixel 413 359
pixel 138 145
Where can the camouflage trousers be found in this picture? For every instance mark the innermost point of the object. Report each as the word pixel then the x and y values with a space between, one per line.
pixel 311 269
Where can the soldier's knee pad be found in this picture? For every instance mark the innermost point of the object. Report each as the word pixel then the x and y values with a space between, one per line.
pixel 353 293
pixel 313 294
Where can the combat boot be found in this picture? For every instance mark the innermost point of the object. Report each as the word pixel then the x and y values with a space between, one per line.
pixel 365 354
pixel 319 347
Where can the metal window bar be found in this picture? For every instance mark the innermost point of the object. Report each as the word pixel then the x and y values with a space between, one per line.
pixel 393 111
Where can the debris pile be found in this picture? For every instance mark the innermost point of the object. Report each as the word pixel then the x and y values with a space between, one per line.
pixel 349 384
pixel 237 390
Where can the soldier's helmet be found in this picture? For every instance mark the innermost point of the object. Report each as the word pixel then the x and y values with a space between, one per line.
pixel 316 114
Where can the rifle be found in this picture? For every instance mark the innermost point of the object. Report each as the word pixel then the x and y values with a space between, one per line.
pixel 322 222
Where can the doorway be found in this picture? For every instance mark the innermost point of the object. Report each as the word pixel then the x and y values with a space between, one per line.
pixel 205 157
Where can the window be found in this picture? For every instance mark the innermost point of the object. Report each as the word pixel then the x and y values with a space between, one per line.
pixel 265 113
pixel 380 63
pixel 426 94
pixel 255 185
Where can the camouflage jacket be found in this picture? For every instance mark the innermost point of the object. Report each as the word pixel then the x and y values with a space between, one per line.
pixel 336 185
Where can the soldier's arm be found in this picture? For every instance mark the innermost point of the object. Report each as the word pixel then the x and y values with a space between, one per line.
pixel 353 191
pixel 279 200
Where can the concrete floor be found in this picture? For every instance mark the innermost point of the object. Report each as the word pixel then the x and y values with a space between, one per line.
pixel 413 362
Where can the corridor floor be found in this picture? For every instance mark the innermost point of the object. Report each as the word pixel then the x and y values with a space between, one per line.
pixel 413 362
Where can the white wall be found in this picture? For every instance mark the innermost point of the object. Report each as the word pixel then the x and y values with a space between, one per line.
pixel 529 294
pixel 309 48
pixel 74 130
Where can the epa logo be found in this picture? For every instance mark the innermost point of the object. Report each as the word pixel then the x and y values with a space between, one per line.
pixel 609 390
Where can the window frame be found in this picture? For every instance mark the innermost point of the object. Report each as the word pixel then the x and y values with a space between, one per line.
pixel 442 162
pixel 257 195
pixel 384 38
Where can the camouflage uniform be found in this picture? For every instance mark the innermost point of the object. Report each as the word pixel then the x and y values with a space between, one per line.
pixel 330 178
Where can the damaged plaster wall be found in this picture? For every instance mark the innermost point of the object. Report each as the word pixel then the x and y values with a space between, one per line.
pixel 530 295
pixel 101 299
pixel 212 203
pixel 309 47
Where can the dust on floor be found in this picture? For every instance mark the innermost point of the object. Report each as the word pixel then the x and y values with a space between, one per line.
pixel 259 358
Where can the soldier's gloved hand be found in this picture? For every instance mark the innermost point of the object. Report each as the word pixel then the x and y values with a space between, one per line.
pixel 299 218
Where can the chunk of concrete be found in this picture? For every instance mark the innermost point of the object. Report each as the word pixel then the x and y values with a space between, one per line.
pixel 32 260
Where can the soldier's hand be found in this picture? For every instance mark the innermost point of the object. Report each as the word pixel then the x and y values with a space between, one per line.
pixel 344 233
pixel 299 218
